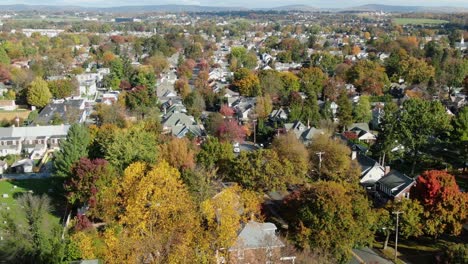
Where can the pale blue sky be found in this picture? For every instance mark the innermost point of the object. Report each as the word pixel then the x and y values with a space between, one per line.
pixel 242 3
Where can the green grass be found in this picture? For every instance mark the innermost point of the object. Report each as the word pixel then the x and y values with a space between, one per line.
pixel 418 21
pixel 38 187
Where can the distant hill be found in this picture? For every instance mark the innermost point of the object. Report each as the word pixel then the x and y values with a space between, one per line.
pixel 169 8
pixel 197 8
pixel 406 9
pixel 303 8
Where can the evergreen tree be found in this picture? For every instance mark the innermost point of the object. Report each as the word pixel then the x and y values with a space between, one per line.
pixel 345 110
pixel 71 150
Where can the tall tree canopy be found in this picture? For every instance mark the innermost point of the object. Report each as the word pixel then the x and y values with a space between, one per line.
pixel 74 147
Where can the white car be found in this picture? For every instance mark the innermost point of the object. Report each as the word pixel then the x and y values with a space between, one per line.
pixel 236 150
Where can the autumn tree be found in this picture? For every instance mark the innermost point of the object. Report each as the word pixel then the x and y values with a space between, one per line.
pixel 226 111
pixel 460 135
pixel 74 147
pixel 445 206
pixel 158 217
pixel 246 82
pixel 62 88
pixel 263 107
pixel 410 224
pixel 336 164
pixel 38 93
pixel 182 87
pixel 226 211
pixel 179 153
pixel 368 77
pixel 87 179
pixel 263 170
pixel 330 216
pixel 288 147
pixel 230 130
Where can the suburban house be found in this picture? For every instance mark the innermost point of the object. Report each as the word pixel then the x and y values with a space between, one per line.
pixel 68 111
pixel 256 243
pixel 278 115
pixel 371 170
pixel 180 124
pixel 89 82
pixel 3 166
pixel 243 107
pixel 395 186
pixel 34 140
pixel 361 130
pixel 303 133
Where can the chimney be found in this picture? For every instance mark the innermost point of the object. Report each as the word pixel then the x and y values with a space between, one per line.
pixel 353 155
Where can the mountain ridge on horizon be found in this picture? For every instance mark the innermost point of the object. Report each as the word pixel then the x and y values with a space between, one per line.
pixel 201 8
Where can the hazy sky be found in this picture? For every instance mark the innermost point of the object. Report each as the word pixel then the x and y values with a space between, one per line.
pixel 243 3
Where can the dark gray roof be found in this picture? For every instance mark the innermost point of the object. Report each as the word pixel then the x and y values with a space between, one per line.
pixel 396 182
pixel 75 107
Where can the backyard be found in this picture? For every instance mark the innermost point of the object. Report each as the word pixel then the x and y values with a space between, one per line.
pixel 10 190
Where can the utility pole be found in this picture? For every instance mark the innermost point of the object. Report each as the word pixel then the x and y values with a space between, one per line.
pixel 396 232
pixel 255 131
pixel 319 154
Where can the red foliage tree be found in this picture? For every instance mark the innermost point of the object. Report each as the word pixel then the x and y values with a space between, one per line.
pixel 83 186
pixel 226 111
pixel 117 39
pixel 82 222
pixel 4 74
pixel 444 204
pixel 230 130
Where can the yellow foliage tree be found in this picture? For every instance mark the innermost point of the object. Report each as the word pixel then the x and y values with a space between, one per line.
pixel 225 212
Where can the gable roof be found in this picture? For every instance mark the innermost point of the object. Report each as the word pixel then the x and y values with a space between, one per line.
pixel 34 131
pixel 257 235
pixel 395 182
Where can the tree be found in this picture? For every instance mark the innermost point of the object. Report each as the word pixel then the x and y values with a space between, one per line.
pixel 87 178
pixel 312 80
pixel 130 145
pixel 418 121
pixel 74 147
pixel 214 153
pixel 445 206
pixel 368 77
pixel 179 153
pixel 246 82
pixel 4 59
pixel 62 88
pixel 263 170
pixel 336 164
pixel 31 238
pixel 157 216
pixel 456 253
pixel 410 224
pixel 330 216
pixel 222 214
pixel 195 104
pixel 388 137
pixel 362 110
pixel 158 62
pixel 345 110
pixel 310 111
pixel 460 135
pixel 182 87
pixel 213 122
pixel 263 107
pixel 38 93
pixel 226 111
pixel 230 130
pixel 288 147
